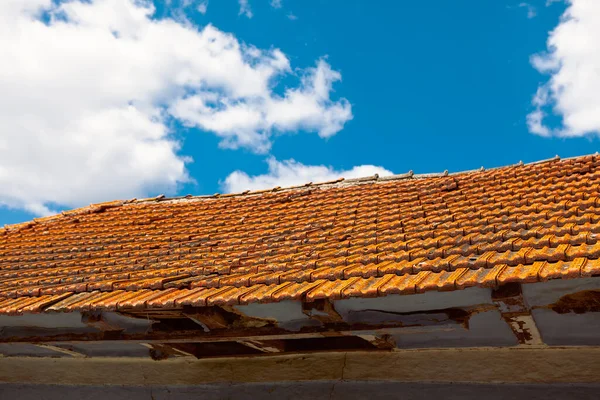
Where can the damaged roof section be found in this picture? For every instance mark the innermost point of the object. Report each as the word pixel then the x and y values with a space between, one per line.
pixel 535 315
pixel 340 240
pixel 503 257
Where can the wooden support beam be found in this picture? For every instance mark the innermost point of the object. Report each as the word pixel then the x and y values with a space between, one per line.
pixel 322 310
pixel 509 300
pixel 160 351
pixel 210 318
pixel 96 320
pixel 382 342
pixel 271 347
pixel 201 338
pixel 62 350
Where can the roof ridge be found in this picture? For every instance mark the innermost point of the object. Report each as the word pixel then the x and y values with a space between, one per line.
pixel 410 175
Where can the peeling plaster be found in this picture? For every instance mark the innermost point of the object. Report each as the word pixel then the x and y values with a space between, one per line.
pixel 49 324
pixel 287 314
pixel 485 329
pixel 377 317
pixel 27 350
pixel 48 320
pixel 568 329
pixel 525 329
pixel 429 301
pixel 129 324
pixel 108 349
pixel 462 318
pixel 544 293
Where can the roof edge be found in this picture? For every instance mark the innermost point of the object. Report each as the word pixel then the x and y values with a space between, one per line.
pixel 341 182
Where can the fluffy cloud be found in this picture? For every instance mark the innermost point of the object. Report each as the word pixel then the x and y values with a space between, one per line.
pixel 276 3
pixel 202 7
pixel 291 173
pixel 245 9
pixel 89 90
pixel 573 63
pixel 251 122
pixel 531 13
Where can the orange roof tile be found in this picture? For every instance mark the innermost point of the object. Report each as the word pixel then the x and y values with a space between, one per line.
pixel 357 238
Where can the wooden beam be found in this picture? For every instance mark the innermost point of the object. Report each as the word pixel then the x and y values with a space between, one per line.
pixel 261 346
pixel 322 310
pixel 96 320
pixel 509 300
pixel 58 349
pixel 382 342
pixel 209 318
pixel 258 336
pixel 164 351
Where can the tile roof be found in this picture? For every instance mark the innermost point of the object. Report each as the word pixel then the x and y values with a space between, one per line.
pixel 355 238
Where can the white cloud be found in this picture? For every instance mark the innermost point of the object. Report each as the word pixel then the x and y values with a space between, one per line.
pixel 531 11
pixel 202 7
pixel 573 63
pixel 535 118
pixel 292 173
pixel 245 8
pixel 250 123
pixel 89 90
pixel 292 17
pixel 276 3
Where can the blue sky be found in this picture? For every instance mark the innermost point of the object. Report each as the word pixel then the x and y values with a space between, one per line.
pixel 423 86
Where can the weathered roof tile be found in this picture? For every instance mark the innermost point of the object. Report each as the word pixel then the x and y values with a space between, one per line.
pixel 354 238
